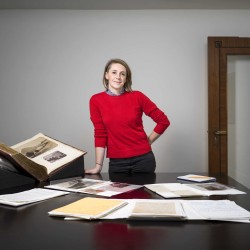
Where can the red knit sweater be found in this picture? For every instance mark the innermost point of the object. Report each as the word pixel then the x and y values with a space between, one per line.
pixel 118 123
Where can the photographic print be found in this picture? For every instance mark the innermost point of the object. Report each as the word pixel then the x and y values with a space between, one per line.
pixel 55 156
pixel 36 147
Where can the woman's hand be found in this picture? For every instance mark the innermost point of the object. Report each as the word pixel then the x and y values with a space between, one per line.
pixel 95 170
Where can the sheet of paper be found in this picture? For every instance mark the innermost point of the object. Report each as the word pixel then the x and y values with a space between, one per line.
pixel 217 209
pixel 29 196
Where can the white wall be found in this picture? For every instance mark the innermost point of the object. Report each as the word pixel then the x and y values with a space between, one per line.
pixel 51 62
pixel 239 118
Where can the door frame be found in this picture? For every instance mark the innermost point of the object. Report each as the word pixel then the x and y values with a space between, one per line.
pixel 218 50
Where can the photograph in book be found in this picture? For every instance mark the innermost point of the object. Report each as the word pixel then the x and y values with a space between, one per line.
pixel 94 187
pixel 36 147
pixel 47 152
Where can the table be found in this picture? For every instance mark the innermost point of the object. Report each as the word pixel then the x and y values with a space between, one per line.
pixel 30 227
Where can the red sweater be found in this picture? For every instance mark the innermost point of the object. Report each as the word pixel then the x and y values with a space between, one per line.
pixel 118 123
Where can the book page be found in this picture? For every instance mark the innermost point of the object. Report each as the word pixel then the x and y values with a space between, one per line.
pixel 47 152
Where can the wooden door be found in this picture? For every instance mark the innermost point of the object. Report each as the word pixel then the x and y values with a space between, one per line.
pixel 219 48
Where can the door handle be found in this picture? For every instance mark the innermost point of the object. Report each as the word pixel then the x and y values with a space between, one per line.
pixel 220 132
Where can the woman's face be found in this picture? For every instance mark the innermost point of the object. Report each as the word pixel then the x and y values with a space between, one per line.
pixel 116 77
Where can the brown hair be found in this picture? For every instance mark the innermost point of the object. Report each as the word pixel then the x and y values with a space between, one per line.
pixel 128 83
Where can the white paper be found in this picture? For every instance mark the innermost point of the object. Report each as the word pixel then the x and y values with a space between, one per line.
pixel 216 210
pixel 29 196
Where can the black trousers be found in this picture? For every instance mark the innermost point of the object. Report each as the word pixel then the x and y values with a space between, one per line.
pixel 138 164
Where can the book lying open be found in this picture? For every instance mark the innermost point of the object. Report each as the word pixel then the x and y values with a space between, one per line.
pixel 93 187
pixel 152 209
pixel 89 208
pixel 43 157
pixel 178 190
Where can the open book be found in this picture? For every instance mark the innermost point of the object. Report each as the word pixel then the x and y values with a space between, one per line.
pixel 93 187
pixel 43 157
pixel 178 190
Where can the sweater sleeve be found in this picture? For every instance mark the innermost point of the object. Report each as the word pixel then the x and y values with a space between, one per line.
pixel 100 132
pixel 157 115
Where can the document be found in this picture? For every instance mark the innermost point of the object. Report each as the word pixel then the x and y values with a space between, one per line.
pixel 225 210
pixel 29 196
pixel 94 187
pixel 177 190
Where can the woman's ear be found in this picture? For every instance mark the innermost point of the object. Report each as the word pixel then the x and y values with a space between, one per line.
pixel 106 76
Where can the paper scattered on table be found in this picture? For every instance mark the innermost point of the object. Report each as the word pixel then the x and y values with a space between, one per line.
pixel 153 209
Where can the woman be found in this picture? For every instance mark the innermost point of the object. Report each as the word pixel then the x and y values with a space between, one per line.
pixel 117 118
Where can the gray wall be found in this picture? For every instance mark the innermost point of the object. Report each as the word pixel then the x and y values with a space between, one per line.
pixel 51 62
